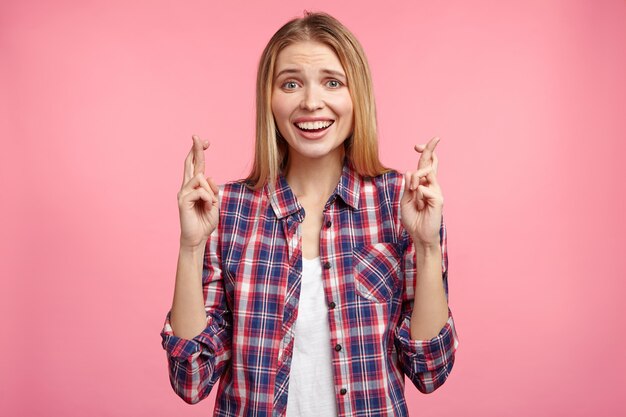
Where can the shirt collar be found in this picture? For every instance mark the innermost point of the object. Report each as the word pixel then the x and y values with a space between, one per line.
pixel 284 201
pixel 349 187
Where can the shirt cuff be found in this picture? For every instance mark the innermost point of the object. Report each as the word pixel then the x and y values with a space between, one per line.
pixel 184 349
pixel 427 355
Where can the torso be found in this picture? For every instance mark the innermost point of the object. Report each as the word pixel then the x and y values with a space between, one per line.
pixel 262 234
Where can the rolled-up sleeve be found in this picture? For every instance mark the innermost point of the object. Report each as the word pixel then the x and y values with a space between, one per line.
pixel 195 365
pixel 427 363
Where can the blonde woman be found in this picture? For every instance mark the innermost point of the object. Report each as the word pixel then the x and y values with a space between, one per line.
pixel 315 285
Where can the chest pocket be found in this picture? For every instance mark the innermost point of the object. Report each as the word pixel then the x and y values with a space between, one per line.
pixel 377 271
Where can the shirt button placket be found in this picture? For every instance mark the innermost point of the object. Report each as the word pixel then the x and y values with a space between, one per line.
pixel 331 304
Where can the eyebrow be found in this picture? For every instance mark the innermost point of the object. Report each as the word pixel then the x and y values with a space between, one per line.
pixel 333 73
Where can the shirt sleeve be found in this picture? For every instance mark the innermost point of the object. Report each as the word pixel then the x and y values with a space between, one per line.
pixel 196 365
pixel 427 363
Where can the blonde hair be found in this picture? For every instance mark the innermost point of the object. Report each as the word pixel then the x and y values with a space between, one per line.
pixel 271 150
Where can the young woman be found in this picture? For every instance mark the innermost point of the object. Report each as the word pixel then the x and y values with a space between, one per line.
pixel 312 287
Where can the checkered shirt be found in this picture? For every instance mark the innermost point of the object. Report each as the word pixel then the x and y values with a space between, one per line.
pixel 251 282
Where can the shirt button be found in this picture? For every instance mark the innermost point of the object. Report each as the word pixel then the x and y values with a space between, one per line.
pixel 332 305
pixel 343 391
pixel 337 347
pixel 327 265
pixel 329 223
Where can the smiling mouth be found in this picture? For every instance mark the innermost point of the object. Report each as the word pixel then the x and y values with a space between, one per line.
pixel 314 126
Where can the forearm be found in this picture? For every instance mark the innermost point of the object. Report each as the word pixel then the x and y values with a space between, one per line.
pixel 430 306
pixel 188 314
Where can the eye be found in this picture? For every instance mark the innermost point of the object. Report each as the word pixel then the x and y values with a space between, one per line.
pixel 334 83
pixel 290 85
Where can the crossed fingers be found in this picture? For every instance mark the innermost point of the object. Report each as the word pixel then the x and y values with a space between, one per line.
pixel 426 172
pixel 193 178
pixel 428 157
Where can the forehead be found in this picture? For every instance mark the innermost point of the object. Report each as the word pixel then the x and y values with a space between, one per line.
pixel 308 54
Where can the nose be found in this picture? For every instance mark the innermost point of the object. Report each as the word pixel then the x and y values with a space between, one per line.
pixel 312 99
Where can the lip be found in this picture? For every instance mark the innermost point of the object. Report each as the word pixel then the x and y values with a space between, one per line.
pixel 312 119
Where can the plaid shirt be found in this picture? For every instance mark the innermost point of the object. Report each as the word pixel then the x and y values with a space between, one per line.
pixel 251 280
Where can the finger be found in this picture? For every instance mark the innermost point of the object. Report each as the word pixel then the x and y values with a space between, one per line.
pixel 205 143
pixel 430 148
pixel 420 198
pixel 198 155
pixel 197 181
pixel 213 185
pixel 432 179
pixel 417 176
pixel 188 169
pixel 426 153
pixel 419 180
pixel 195 196
pixel 431 196
pixel 408 195
pixel 421 146
pixel 415 182
pixel 435 163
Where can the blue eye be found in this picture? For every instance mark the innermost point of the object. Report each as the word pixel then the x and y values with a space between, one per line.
pixel 334 84
pixel 290 85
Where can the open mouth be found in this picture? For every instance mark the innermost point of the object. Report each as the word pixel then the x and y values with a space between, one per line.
pixel 317 126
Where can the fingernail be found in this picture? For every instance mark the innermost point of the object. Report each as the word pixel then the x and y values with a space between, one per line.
pixel 194 137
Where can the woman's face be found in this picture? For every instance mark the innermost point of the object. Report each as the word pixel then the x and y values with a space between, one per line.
pixel 310 101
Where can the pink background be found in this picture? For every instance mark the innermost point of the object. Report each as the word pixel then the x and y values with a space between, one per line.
pixel 98 101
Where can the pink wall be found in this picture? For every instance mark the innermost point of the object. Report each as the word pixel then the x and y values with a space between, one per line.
pixel 98 101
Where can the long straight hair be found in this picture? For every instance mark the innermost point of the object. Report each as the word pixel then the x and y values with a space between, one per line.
pixel 271 150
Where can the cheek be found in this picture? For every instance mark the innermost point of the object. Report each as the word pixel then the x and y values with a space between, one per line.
pixel 280 109
pixel 348 112
pixel 346 108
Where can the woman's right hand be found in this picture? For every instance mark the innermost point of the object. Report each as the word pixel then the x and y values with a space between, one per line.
pixel 197 199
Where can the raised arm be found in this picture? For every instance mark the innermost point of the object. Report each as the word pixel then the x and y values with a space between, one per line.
pixel 196 334
pixel 426 336
pixel 198 212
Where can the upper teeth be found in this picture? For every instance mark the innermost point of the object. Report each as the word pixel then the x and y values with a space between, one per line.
pixel 314 125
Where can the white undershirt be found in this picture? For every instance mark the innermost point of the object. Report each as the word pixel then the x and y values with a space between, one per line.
pixel 311 387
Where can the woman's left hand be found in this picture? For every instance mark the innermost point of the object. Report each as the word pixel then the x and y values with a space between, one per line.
pixel 422 202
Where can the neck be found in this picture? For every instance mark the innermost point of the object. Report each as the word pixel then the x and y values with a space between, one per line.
pixel 314 177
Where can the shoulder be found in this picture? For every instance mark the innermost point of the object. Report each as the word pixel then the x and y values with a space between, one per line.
pixel 238 206
pixel 239 189
pixel 238 197
pixel 389 184
pixel 389 178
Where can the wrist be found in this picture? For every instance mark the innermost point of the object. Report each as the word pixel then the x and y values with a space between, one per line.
pixel 427 248
pixel 192 249
pixel 191 255
pixel 425 244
